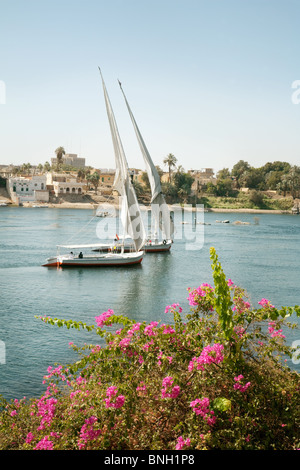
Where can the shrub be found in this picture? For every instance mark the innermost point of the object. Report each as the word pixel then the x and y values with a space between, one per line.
pixel 214 379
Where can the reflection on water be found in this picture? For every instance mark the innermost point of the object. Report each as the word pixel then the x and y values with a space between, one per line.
pixel 263 258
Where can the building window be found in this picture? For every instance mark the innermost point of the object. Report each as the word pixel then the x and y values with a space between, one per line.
pixel 26 189
pixel 67 190
pixel 79 190
pixel 73 190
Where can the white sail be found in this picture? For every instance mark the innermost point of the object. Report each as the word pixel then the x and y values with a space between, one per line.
pixel 159 208
pixel 130 216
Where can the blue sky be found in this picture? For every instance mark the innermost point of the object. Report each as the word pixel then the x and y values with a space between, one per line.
pixel 208 81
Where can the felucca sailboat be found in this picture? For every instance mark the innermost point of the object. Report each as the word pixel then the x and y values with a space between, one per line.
pixel 163 224
pixel 130 216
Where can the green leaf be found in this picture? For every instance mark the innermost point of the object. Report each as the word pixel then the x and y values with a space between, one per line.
pixel 221 404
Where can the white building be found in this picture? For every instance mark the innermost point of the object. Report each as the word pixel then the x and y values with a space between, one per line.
pixel 68 187
pixel 31 189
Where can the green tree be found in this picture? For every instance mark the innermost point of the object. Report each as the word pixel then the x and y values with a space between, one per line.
pixel 183 183
pixel 94 179
pixel 256 197
pixel 292 181
pixel 60 152
pixel 170 161
pixel 253 178
pixel 223 174
pixel 47 166
pixel 238 170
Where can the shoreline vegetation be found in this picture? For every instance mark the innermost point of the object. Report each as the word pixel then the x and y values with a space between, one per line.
pixel 273 188
pixel 216 378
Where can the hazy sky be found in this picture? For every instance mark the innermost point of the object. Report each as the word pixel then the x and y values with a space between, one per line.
pixel 209 81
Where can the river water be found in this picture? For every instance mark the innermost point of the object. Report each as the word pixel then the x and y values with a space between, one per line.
pixel 263 256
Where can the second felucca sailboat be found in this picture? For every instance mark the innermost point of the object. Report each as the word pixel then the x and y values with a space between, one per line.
pixel 163 224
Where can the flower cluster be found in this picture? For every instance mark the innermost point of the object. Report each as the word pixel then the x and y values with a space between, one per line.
pixel 275 333
pixel 265 303
pixel 173 307
pixel 167 390
pixel 149 329
pixel 200 297
pixel 102 319
pixel 46 409
pixel 238 385
pixel 201 407
pixel 241 305
pixel 209 354
pixel 111 393
pixel 87 432
pixel 44 444
pixel 181 443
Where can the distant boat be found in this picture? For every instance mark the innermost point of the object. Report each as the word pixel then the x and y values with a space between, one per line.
pixel 84 255
pixel 102 214
pixel 3 204
pixel 163 221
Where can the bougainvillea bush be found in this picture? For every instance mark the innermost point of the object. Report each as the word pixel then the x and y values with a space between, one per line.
pixel 217 378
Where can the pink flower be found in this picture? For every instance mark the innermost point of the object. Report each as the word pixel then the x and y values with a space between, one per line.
pixel 44 444
pixel 167 391
pixel 209 354
pixel 29 438
pixel 201 407
pixel 103 318
pixel 173 307
pixel 239 386
pixel 111 393
pixel 275 333
pixel 181 443
pixel 230 283
pixel 46 409
pixel 265 303
pixel 149 329
pixel 168 330
pixel 141 387
pixel 194 295
pixel 87 432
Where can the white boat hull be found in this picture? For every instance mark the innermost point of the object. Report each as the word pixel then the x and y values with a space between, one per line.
pixel 157 247
pixel 149 247
pixel 107 259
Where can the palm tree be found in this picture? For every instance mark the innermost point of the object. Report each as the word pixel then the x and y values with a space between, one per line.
pixel 94 179
pixel 81 174
pixel 60 151
pixel 170 161
pixel 47 166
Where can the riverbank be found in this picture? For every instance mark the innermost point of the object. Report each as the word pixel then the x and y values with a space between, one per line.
pixel 115 205
pixel 91 201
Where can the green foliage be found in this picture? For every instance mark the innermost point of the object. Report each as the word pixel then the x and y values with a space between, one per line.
pixel 214 379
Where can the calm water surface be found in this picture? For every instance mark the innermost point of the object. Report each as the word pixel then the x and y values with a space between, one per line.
pixel 262 257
